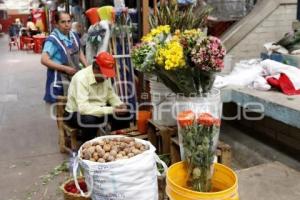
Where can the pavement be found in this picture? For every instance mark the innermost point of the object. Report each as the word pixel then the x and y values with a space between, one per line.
pixel 30 158
pixel 269 181
pixel 28 135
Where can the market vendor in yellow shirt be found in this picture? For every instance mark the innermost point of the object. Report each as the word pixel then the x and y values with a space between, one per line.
pixel 92 101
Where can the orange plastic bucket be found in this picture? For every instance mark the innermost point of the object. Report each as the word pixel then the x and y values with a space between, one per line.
pixel 92 15
pixel 224 182
pixel 142 120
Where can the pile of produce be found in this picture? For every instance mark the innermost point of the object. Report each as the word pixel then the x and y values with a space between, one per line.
pixel 71 187
pixel 112 149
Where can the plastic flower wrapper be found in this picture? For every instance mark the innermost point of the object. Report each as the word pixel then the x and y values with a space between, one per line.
pixel 200 134
pixel 208 56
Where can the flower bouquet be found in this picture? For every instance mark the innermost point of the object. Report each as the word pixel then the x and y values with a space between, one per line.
pixel 198 127
pixel 186 60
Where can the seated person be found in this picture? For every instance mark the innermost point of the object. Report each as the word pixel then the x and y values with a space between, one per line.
pixel 18 25
pixel 31 27
pixel 92 101
pixel 13 32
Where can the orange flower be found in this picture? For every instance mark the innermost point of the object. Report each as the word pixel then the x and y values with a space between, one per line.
pixel 217 122
pixel 206 119
pixel 186 118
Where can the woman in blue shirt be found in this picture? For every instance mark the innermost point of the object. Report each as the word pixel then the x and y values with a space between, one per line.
pixel 62 56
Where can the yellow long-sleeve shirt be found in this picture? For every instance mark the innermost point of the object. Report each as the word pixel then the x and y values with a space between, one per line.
pixel 88 97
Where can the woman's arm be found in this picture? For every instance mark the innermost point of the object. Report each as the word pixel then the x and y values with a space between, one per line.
pixel 83 59
pixel 45 60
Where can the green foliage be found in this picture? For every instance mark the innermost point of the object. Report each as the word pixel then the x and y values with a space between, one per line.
pixel 198 150
pixel 143 57
pixel 180 17
pixel 166 158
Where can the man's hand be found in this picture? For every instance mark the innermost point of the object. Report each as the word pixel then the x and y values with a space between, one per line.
pixel 122 106
pixel 121 109
pixel 70 70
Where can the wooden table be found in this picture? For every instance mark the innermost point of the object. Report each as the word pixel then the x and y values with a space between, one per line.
pixel 160 136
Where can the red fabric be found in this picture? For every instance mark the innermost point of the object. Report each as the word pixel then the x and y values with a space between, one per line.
pixel 39 16
pixel 284 84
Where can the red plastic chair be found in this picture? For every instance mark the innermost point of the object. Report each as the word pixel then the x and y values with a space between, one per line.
pixel 28 43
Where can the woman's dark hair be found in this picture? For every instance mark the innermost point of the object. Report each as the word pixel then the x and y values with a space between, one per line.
pixel 58 14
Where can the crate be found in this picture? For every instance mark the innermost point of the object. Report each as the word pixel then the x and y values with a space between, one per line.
pixel 131 132
pixel 160 136
pixel 224 153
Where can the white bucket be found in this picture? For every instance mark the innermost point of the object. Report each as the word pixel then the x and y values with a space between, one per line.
pixel 163 101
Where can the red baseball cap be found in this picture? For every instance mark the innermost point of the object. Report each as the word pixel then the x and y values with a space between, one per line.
pixel 106 63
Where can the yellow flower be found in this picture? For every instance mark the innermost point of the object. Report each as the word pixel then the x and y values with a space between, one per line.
pixel 155 32
pixel 177 32
pixel 147 38
pixel 170 56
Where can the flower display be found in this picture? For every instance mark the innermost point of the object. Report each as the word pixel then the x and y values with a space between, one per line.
pixel 181 60
pixel 185 60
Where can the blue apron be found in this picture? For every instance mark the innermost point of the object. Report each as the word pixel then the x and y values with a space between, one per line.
pixel 54 86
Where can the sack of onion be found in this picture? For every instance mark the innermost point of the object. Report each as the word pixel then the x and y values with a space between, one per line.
pixel 119 168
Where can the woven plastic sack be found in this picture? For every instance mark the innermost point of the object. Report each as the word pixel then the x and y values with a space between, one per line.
pixel 128 179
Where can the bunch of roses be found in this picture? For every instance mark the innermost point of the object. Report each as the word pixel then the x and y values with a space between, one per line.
pixel 189 118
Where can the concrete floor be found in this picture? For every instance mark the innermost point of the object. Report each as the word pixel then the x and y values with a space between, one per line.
pixel 28 135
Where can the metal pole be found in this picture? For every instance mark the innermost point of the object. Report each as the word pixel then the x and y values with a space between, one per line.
pixel 139 7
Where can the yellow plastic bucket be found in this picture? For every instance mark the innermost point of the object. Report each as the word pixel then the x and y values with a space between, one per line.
pixel 224 182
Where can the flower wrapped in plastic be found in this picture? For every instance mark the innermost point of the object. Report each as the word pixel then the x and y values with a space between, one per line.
pixel 198 134
pixel 208 56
